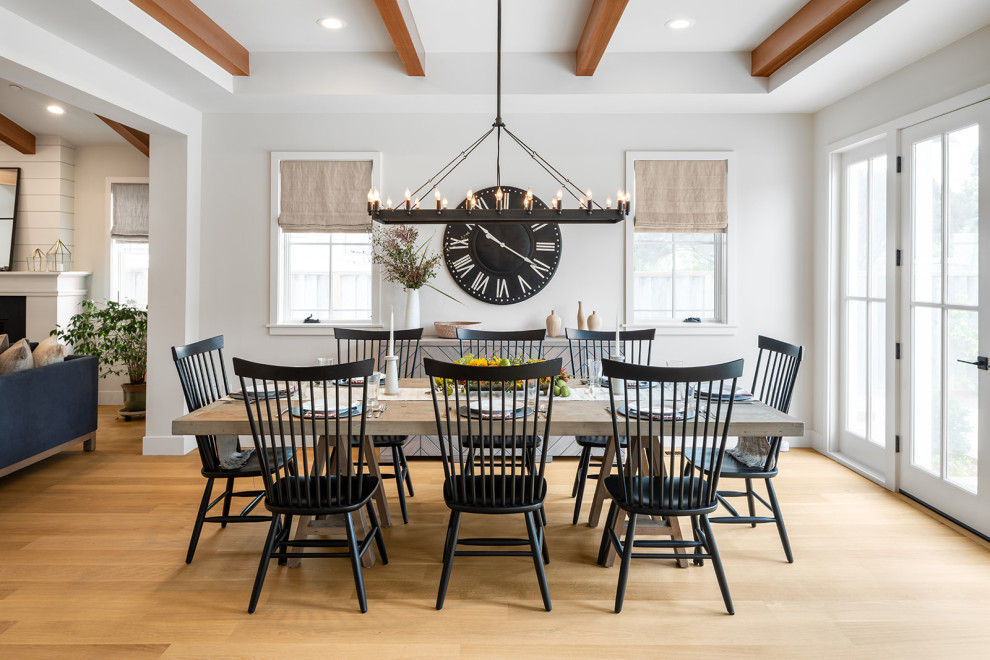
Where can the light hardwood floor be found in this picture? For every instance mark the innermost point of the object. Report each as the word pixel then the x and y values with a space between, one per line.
pixel 92 551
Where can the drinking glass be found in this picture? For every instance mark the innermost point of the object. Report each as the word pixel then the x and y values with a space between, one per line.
pixel 373 380
pixel 324 361
pixel 594 374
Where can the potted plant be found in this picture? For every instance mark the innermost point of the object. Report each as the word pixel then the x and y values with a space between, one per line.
pixel 403 262
pixel 117 334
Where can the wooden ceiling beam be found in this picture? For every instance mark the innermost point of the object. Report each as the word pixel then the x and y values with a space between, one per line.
pixel 402 28
pixel 16 136
pixel 197 29
pixel 602 21
pixel 138 139
pixel 804 28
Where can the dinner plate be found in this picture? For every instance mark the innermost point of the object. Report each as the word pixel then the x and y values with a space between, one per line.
pixel 741 394
pixel 496 413
pixel 657 413
pixel 269 393
pixel 309 411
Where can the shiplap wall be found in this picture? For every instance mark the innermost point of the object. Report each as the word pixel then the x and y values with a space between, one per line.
pixel 46 198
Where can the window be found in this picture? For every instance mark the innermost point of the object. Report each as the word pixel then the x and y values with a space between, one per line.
pixel 678 240
pixel 328 276
pixel 675 276
pixel 129 242
pixel 321 246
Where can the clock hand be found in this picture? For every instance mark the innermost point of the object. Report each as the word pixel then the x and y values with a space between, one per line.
pixel 503 245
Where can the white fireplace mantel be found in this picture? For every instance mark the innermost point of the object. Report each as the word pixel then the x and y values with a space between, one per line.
pixel 50 298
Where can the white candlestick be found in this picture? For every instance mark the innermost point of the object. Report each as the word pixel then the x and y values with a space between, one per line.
pixel 618 346
pixel 391 331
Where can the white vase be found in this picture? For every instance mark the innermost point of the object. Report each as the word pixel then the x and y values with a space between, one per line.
pixel 412 309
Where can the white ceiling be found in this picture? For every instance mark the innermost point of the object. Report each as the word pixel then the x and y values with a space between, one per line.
pixel 298 66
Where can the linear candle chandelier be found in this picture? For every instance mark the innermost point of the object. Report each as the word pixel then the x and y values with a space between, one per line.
pixel 472 209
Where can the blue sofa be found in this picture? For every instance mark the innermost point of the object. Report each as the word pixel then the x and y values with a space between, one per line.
pixel 47 409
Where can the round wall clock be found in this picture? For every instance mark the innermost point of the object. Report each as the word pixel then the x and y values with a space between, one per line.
pixel 502 263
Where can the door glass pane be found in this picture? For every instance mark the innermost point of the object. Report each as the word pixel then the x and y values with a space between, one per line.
pixel 928 220
pixel 857 227
pixel 855 367
pixel 878 375
pixel 962 384
pixel 878 227
pixel 926 396
pixel 962 221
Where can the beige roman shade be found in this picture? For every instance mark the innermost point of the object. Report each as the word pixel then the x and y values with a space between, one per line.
pixel 324 196
pixel 130 211
pixel 687 196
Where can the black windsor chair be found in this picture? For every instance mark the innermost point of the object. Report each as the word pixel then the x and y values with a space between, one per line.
pixel 664 423
pixel 773 384
pixel 334 482
pixel 203 377
pixel 584 345
pixel 502 344
pixel 486 434
pixel 353 345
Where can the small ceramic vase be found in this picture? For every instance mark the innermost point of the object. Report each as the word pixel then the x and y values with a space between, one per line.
pixel 554 324
pixel 594 321
pixel 580 318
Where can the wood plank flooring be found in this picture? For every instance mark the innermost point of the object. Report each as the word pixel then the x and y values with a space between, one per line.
pixel 92 549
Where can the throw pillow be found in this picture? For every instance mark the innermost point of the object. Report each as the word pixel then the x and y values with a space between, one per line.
pixel 49 352
pixel 4 343
pixel 16 358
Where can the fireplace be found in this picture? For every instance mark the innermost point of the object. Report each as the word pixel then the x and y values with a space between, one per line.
pixel 13 315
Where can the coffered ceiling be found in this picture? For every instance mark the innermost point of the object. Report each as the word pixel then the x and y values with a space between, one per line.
pixel 298 66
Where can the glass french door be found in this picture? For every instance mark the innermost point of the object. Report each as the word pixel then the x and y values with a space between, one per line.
pixel 945 386
pixel 863 310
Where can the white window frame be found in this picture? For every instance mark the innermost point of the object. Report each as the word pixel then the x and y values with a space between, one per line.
pixel 725 285
pixel 109 292
pixel 277 267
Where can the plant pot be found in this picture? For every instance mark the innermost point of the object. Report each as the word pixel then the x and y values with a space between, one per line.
pixel 134 397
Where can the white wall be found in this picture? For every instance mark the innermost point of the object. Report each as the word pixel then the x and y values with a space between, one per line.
pixel 94 165
pixel 946 80
pixel 45 205
pixel 772 230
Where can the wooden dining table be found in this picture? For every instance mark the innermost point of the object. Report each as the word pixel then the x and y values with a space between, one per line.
pixel 411 413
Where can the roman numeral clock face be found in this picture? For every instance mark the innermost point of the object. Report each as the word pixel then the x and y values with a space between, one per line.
pixel 502 263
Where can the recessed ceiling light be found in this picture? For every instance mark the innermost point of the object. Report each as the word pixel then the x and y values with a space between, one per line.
pixel 331 23
pixel 56 110
pixel 679 23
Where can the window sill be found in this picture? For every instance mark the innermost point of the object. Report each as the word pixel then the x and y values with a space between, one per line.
pixel 317 328
pixel 693 329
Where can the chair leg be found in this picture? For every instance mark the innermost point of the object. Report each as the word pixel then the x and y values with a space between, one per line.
pixel 582 478
pixel 405 468
pixel 582 469
pixel 448 556
pixel 227 495
pixel 751 500
pixel 379 539
pixel 613 511
pixel 717 564
pixel 541 526
pixel 779 519
pixel 204 506
pixel 400 484
pixel 285 531
pixel 534 544
pixel 355 562
pixel 627 550
pixel 697 539
pixel 266 556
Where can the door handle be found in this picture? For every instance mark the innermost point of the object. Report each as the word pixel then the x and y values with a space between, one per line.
pixel 981 363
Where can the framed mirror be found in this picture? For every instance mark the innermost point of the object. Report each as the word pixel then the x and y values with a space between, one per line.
pixel 10 178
